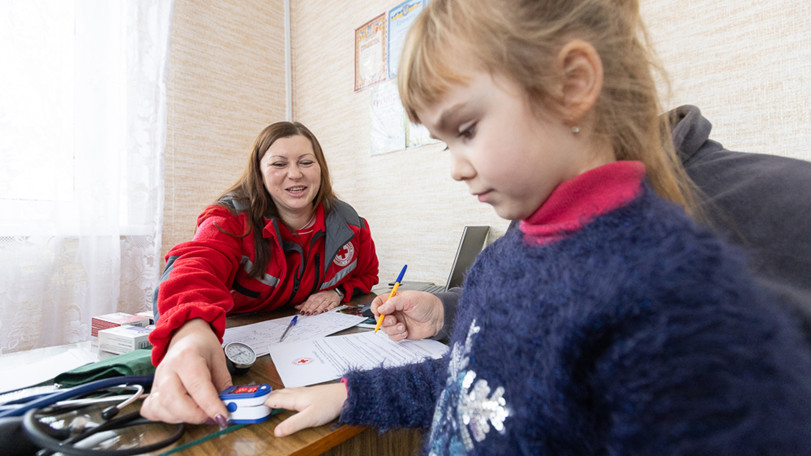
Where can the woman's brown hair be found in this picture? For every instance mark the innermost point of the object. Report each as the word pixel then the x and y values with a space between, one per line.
pixel 249 194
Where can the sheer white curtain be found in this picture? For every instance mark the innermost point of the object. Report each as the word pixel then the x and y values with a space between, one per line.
pixel 82 134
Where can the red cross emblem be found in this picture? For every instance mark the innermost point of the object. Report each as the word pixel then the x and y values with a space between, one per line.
pixel 345 255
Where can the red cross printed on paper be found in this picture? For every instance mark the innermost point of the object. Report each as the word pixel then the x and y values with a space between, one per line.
pixel 345 255
pixel 302 361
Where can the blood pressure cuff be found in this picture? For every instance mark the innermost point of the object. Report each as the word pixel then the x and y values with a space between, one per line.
pixel 134 363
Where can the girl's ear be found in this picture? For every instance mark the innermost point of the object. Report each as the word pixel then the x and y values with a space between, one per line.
pixel 582 72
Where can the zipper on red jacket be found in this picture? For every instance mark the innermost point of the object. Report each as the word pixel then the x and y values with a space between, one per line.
pixel 297 278
pixel 317 276
pixel 300 273
pixel 317 260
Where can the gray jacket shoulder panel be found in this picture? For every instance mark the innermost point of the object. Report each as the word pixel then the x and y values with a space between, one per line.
pixel 338 232
pixel 347 212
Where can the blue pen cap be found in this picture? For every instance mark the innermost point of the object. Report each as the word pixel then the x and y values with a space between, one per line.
pixel 402 273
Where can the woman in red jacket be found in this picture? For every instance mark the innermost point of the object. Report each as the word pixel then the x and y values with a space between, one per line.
pixel 277 237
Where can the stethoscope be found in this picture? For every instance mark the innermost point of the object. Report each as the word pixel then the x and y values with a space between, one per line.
pixel 29 412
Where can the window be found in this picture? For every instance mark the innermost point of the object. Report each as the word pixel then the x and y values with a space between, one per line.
pixel 82 128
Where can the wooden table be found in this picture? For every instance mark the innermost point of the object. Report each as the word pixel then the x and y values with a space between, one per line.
pixel 331 439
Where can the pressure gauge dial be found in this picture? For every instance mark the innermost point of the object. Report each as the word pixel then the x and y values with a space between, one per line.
pixel 239 357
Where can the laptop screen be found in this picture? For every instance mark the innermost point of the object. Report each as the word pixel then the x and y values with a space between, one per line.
pixel 472 242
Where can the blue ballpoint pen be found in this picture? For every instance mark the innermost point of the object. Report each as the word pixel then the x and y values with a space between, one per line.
pixel 290 325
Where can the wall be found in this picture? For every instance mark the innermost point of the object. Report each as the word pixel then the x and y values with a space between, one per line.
pixel 415 210
pixel 746 64
pixel 226 83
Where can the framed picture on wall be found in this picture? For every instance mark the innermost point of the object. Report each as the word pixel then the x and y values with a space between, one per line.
pixel 371 53
pixel 400 19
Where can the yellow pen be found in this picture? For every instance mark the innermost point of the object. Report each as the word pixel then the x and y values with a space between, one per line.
pixel 393 291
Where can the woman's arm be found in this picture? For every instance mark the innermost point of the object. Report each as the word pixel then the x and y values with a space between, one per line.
pixel 196 283
pixel 189 378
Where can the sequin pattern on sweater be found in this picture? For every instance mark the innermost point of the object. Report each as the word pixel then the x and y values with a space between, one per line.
pixel 478 408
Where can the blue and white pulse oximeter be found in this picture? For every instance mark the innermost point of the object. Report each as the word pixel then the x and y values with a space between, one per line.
pixel 246 403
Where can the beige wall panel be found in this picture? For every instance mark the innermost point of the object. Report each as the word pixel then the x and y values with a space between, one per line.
pixel 745 63
pixel 226 83
pixel 415 210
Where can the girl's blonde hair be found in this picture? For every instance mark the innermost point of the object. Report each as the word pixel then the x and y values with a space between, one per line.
pixel 520 39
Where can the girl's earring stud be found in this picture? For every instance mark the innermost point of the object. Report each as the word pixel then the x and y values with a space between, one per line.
pixel 575 130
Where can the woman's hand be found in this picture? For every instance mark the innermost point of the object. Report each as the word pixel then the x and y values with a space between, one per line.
pixel 316 405
pixel 410 314
pixel 319 302
pixel 189 379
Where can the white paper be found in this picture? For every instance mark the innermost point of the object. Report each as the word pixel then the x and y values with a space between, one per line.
pixel 24 369
pixel 314 361
pixel 388 126
pixel 260 335
pixel 418 135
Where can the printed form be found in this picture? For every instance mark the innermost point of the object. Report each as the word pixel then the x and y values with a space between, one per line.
pixel 260 335
pixel 307 362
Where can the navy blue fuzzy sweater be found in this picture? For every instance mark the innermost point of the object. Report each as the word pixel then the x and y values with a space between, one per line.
pixel 608 324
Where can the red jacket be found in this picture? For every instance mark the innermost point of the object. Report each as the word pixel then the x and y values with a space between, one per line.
pixel 207 277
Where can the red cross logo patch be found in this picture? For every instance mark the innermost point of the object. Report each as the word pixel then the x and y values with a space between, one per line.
pixel 345 255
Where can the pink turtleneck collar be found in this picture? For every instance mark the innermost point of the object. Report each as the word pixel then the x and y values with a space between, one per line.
pixel 578 201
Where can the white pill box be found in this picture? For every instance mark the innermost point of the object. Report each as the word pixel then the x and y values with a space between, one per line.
pixel 124 339
pixel 101 322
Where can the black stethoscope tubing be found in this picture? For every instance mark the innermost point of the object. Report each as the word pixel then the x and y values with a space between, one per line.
pixel 33 428
pixel 52 398
pixel 41 438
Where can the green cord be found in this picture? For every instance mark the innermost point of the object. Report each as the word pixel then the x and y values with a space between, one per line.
pixel 211 436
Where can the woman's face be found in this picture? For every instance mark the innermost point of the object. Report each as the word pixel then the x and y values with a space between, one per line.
pixel 292 176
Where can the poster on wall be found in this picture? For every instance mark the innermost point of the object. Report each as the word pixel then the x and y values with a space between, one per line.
pixel 400 19
pixel 388 119
pixel 370 53
pixel 417 135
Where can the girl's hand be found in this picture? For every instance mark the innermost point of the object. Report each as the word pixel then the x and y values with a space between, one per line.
pixel 316 405
pixel 189 378
pixel 319 302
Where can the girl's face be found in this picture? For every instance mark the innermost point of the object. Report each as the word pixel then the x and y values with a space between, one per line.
pixel 292 176
pixel 508 155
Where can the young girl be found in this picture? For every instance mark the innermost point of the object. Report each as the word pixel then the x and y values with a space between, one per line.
pixel 609 322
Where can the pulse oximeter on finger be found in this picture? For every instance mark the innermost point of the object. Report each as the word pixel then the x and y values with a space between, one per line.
pixel 245 403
